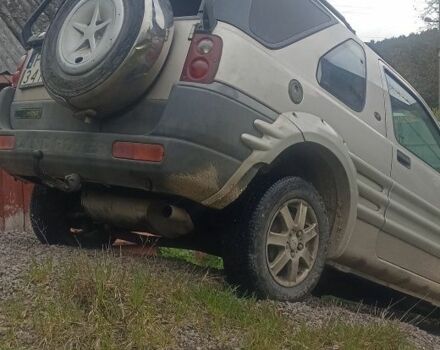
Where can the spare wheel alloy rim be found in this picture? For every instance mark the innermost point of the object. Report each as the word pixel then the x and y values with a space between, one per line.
pixel 89 33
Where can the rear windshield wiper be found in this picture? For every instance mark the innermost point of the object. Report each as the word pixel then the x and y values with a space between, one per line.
pixel 27 34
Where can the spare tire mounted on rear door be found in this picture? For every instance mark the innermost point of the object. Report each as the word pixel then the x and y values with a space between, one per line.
pixel 101 55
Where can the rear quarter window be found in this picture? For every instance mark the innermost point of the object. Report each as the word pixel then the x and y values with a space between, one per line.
pixel 343 73
pixel 275 23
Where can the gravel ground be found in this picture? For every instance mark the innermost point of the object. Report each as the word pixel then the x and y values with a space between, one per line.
pixel 19 250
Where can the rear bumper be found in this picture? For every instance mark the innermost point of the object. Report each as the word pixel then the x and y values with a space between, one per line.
pixel 188 169
pixel 200 130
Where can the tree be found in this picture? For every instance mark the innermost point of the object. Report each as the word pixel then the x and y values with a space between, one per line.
pixel 415 57
pixel 431 11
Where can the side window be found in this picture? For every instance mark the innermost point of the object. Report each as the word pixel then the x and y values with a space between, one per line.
pixel 343 73
pixel 278 21
pixel 413 126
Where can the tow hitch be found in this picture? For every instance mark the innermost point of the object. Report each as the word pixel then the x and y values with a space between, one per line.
pixel 71 183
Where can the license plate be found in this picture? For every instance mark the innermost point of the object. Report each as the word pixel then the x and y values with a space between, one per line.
pixel 32 74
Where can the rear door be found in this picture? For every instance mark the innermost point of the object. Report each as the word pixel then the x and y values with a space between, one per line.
pixel 411 235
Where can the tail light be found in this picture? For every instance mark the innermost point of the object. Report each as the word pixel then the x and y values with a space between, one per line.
pixel 139 151
pixel 7 143
pixel 16 76
pixel 203 59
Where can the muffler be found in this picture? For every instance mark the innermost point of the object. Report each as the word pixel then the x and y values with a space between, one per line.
pixel 137 214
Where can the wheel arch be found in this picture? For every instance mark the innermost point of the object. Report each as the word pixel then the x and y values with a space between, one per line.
pixel 322 140
pixel 322 168
pixel 319 155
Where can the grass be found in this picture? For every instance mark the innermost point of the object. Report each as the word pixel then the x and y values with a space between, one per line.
pixel 202 260
pixel 111 303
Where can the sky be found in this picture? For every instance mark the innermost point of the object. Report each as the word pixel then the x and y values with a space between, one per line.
pixel 381 19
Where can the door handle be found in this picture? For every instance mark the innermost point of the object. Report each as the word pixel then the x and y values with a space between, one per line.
pixel 403 159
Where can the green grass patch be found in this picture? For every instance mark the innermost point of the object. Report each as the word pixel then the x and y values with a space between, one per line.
pixel 111 303
pixel 203 260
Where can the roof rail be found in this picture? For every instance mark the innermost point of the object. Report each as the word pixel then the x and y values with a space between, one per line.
pixel 338 15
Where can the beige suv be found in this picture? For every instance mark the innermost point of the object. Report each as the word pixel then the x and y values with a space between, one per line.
pixel 264 132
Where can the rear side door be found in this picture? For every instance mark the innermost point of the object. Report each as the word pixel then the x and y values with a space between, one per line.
pixel 411 235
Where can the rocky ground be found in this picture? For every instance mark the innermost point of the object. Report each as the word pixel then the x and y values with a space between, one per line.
pixel 18 251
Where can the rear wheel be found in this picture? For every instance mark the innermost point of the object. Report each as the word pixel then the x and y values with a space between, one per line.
pixel 278 249
pixel 57 219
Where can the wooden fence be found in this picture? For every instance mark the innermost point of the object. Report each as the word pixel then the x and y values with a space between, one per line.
pixel 14 204
pixel 14 195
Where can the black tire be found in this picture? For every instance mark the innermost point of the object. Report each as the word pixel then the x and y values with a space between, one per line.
pixel 53 217
pixel 66 85
pixel 245 250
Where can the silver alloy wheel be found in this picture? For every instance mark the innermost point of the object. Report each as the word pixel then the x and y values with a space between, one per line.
pixel 292 243
pixel 88 34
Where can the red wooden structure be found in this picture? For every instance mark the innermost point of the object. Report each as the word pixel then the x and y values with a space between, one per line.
pixel 5 80
pixel 14 204
pixel 14 195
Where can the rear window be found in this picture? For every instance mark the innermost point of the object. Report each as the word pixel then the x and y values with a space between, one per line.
pixel 275 23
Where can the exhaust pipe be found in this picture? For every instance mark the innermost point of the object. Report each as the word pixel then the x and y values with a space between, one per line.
pixel 137 214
